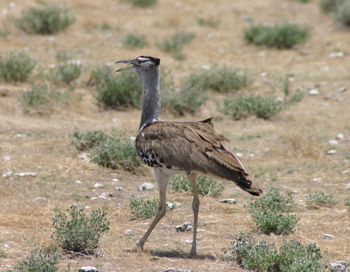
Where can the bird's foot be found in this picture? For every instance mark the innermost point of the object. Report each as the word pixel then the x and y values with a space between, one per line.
pixel 139 246
pixel 193 253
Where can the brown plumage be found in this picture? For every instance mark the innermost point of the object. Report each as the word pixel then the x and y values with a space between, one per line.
pixel 175 147
pixel 191 147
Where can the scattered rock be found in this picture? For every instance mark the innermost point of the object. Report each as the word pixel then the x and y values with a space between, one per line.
pixel 115 179
pixel 290 171
pixel 339 266
pixel 83 156
pixel 172 205
pixel 129 232
pixel 98 185
pixel 103 196
pixel 185 227
pixel 314 92
pixel 88 269
pixel 328 236
pixel 294 191
pixel 228 200
pixel 340 136
pixel 346 172
pixel 19 135
pixel 26 174
pixel 347 187
pixel 176 270
pixel 333 142
pixel 146 186
pixel 239 154
pixel 119 189
pixel 331 152
pixel 6 158
pixel 78 181
pixel 336 55
pixel 7 174
pixel 342 89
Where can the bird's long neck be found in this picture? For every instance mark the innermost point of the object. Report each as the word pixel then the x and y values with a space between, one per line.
pixel 150 96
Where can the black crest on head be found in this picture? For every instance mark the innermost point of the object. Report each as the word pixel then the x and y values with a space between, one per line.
pixel 155 60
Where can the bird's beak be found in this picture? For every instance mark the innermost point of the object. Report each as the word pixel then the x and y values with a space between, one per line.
pixel 128 67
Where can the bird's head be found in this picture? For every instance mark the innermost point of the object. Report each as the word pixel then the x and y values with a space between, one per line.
pixel 140 64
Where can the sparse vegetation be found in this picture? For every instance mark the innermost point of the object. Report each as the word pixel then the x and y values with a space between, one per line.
pixel 210 22
pixel 142 3
pixel 108 150
pixel 283 36
pixel 116 91
pixel 319 199
pixel 262 256
pixel 341 12
pixel 66 73
pixel 79 233
pixel 329 5
pixel 39 261
pixel 271 212
pixel 143 208
pixel 175 44
pixel 45 19
pixel 205 185
pixel 16 66
pixel 135 41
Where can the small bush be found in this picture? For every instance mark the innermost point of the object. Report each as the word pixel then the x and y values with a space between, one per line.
pixel 271 212
pixel 292 256
pixel 16 66
pixel 123 90
pixel 142 3
pixel 329 5
pixel 210 22
pixel 90 139
pixel 45 20
pixel 205 185
pixel 135 41
pixel 40 95
pixel 116 153
pixel 319 199
pixel 66 73
pixel 63 56
pixel 220 79
pixel 143 208
pixel 39 261
pixel 282 36
pixel 80 233
pixel 175 44
pixel 341 13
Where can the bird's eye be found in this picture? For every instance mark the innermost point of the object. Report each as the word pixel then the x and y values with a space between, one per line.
pixel 139 61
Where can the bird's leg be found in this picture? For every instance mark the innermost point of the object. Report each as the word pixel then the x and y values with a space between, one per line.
pixel 162 181
pixel 195 208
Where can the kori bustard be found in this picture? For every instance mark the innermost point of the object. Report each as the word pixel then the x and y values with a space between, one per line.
pixel 174 147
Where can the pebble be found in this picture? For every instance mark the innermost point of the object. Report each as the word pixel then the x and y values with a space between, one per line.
pixel 347 187
pixel 228 200
pixel 328 236
pixel 98 185
pixel 26 174
pixel 88 269
pixel 146 186
pixel 339 266
pixel 314 92
pixel 342 89
pixel 6 158
pixel 129 232
pixel 176 270
pixel 119 189
pixel 336 55
pixel 331 152
pixel 78 181
pixel 184 227
pixel 346 172
pixel 340 136
pixel 294 191
pixel 333 142
pixel 115 179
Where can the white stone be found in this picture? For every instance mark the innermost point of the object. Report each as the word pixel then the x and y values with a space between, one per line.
pixel 331 152
pixel 98 185
pixel 26 174
pixel 129 232
pixel 347 187
pixel 333 142
pixel 88 269
pixel 78 181
pixel 19 135
pixel 228 200
pixel 340 136
pixel 342 89
pixel 119 189
pixel 239 154
pixel 316 179
pixel 115 179
pixel 314 92
pixel 339 266
pixel 6 158
pixel 328 236
pixel 336 55
pixel 146 186
pixel 346 172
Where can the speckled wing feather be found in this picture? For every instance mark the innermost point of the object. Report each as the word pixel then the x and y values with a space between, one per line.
pixel 191 146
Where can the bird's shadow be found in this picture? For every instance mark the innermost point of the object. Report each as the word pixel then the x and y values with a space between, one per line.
pixel 176 254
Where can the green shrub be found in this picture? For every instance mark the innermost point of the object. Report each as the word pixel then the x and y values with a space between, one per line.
pixel 88 140
pixel 264 107
pixel 135 41
pixel 319 199
pixel 116 153
pixel 292 256
pixel 220 79
pixel 39 261
pixel 45 20
pixel 79 233
pixel 16 66
pixel 205 185
pixel 142 3
pixel 143 208
pixel 42 94
pixel 63 55
pixel 341 13
pixel 329 5
pixel 210 22
pixel 116 91
pixel 66 73
pixel 175 44
pixel 282 36
pixel 271 212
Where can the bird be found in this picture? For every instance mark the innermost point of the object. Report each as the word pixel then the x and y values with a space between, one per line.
pixel 171 147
